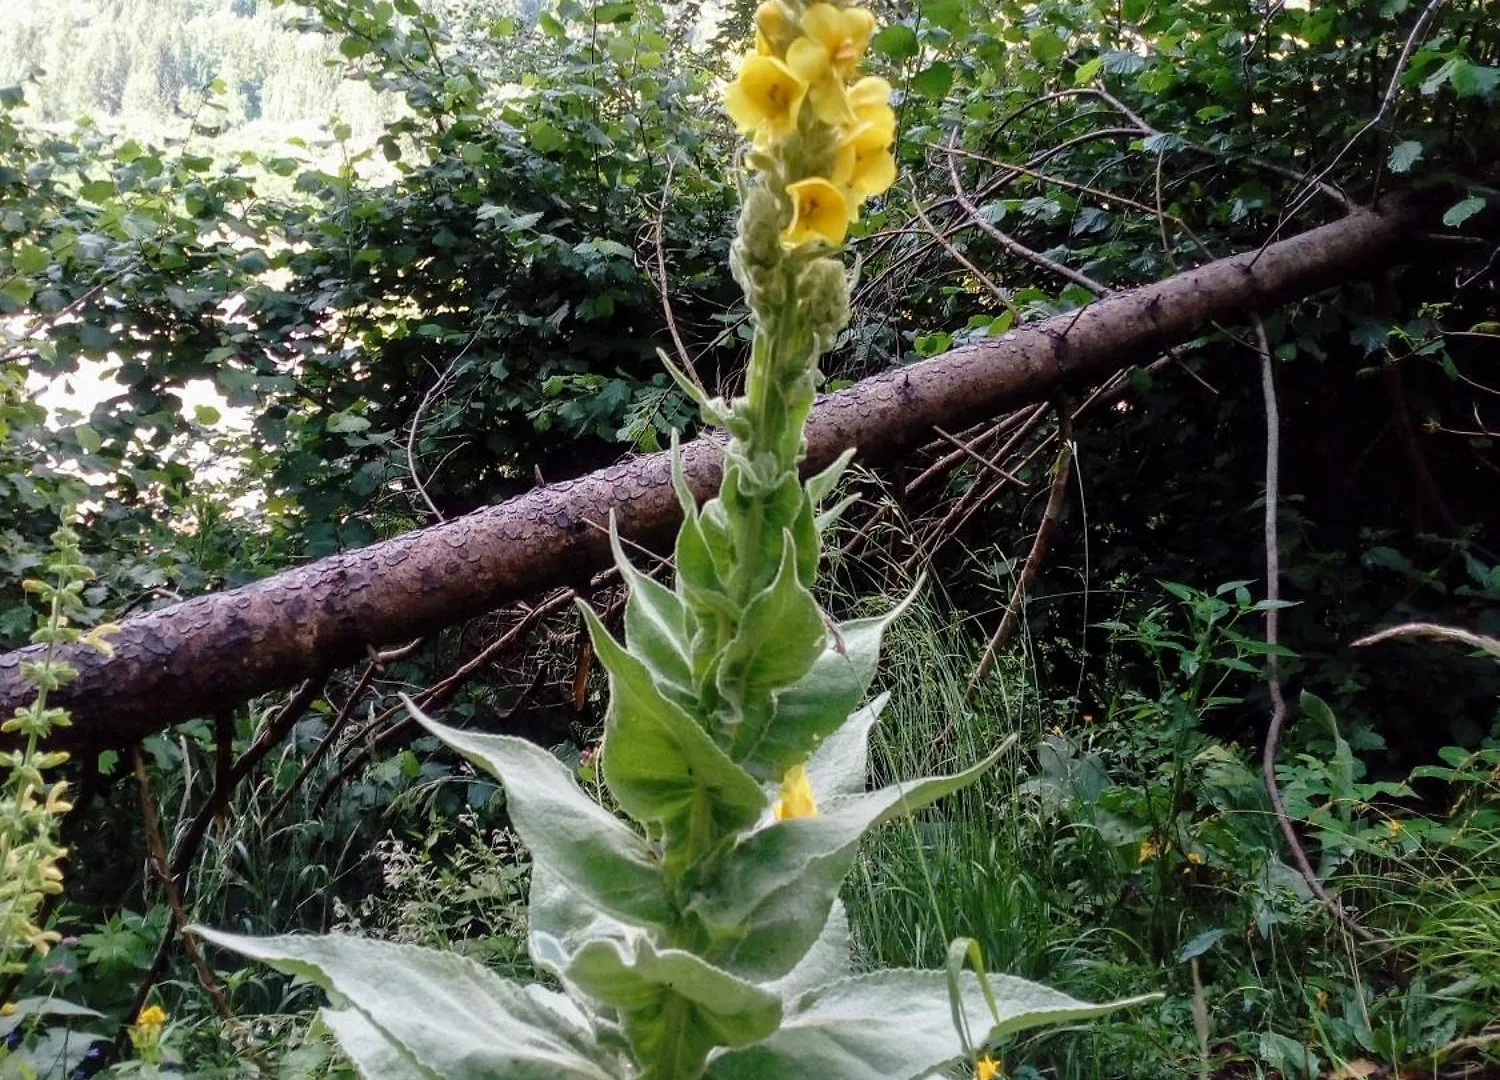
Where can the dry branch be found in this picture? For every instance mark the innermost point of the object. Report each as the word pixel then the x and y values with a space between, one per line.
pixel 210 652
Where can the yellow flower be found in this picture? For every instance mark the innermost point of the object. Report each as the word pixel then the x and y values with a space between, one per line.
pixel 152 1016
pixel 826 57
pixel 865 173
pixel 765 97
pixel 1150 849
pixel 1395 828
pixel 770 26
pixel 1194 857
pixel 796 794
pixel 8 1009
pixel 819 212
pixel 986 1068
pixel 875 120
pixel 1322 999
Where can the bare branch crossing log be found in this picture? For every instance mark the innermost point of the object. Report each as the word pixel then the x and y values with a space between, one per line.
pixel 214 651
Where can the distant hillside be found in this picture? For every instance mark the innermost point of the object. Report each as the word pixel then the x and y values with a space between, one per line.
pixel 153 59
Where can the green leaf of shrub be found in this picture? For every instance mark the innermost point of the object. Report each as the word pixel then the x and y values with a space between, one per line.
pixel 1462 211
pixel 1404 155
pixel 934 82
pixel 897 41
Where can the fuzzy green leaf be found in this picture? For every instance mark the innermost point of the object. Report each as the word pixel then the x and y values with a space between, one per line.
pixel 821 484
pixel 779 638
pixel 601 858
pixel 647 985
pixel 455 1016
pixel 816 705
pixel 896 1025
pixel 656 622
pixel 372 1052
pixel 659 764
pixel 828 960
pixel 840 766
pixel 774 889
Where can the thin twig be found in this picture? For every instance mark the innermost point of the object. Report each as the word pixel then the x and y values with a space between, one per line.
pixel 661 283
pixel 1008 242
pixel 1273 625
pixel 156 844
pixel 992 466
pixel 1039 544
pixel 433 696
pixel 271 733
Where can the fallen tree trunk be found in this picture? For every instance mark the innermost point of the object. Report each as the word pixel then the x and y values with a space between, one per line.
pixel 212 652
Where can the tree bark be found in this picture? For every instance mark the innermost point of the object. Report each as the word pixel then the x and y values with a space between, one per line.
pixel 214 651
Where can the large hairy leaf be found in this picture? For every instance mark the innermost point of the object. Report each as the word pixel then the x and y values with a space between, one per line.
pixel 895 1025
pixel 657 628
pixel 672 1002
pixel 841 764
pixel 815 706
pixel 780 636
pixel 374 1053
pixel 600 857
pixel 774 889
pixel 827 961
pixel 457 1018
pixel 658 762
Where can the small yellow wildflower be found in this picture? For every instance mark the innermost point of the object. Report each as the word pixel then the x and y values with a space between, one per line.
pixel 819 212
pixel 986 1068
pixel 1195 857
pixel 796 796
pixel 765 97
pixel 152 1016
pixel 826 57
pixel 1322 999
pixel 1395 828
pixel 1150 849
pixel 8 1009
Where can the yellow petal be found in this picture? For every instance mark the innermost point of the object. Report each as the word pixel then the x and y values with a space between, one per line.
pixel 870 91
pixel 824 23
pixel 796 791
pixel 830 103
pixel 877 128
pixel 819 212
pixel 771 18
pixel 845 34
pixel 873 173
pixel 808 60
pixel 845 159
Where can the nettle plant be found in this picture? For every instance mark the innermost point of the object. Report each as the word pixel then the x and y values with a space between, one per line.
pixel 704 936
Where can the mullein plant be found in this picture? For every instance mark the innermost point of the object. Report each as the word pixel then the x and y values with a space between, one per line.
pixel 698 931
